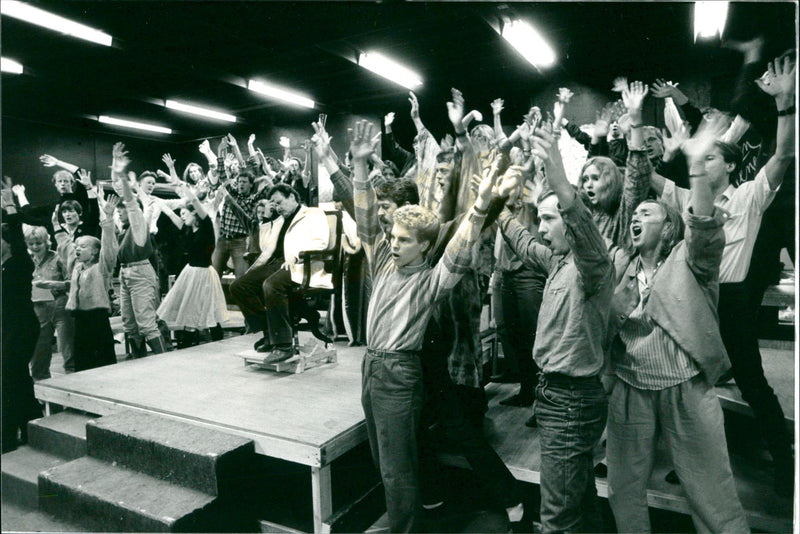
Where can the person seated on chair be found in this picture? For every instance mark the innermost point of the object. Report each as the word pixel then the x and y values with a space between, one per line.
pixel 265 287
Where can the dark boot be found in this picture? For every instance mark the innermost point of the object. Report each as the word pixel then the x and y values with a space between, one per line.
pixel 157 345
pixel 182 339
pixel 136 346
pixel 217 333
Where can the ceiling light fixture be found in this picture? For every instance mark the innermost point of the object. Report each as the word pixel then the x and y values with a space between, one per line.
pixel 389 69
pixel 529 43
pixel 40 17
pixel 196 110
pixel 280 93
pixel 10 66
pixel 132 124
pixel 709 19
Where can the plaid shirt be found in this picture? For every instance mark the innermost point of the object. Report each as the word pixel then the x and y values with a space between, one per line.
pixel 236 218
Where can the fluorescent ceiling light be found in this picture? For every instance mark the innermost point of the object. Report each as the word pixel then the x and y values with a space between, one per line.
pixel 389 69
pixel 131 124
pixel 279 93
pixel 37 16
pixel 529 43
pixel 195 110
pixel 9 65
pixel 709 19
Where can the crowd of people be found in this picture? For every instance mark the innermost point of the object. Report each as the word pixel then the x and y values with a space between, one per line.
pixel 622 295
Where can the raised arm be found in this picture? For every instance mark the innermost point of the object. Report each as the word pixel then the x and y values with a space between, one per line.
pixel 119 163
pixel 563 98
pixel 781 84
pixel 497 109
pixel 587 245
pixel 364 199
pixel 342 185
pixel 49 161
pixel 412 99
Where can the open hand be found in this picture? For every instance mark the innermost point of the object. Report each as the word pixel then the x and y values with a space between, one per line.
pixel 672 143
pixel 205 147
pixel 565 95
pixel 664 89
pixel 633 97
pixel 412 99
pixel 285 142
pixel 497 106
pixel 361 140
pixel 85 178
pixel 110 205
pixel 620 84
pixel 702 141
pixel 388 119
pixel 779 78
pixel 455 108
pixel 120 159
pixel 168 161
pixel 18 189
pixel 543 144
pixel 48 160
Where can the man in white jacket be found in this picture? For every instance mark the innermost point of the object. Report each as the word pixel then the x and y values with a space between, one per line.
pixel 262 293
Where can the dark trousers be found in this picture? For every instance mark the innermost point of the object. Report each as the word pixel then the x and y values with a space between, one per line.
pixel 738 314
pixel 248 293
pixel 452 416
pixel 19 405
pixel 521 296
pixel 277 290
pixel 391 395
pixel 571 413
pixel 94 341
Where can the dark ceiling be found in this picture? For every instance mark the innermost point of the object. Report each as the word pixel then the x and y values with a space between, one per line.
pixel 204 52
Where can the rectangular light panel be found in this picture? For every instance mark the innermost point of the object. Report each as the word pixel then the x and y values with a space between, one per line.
pixel 40 17
pixel 132 124
pixel 280 93
pixel 709 19
pixel 389 69
pixel 529 43
pixel 10 66
pixel 196 110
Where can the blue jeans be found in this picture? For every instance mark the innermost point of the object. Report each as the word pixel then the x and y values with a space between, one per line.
pixel 391 395
pixel 571 413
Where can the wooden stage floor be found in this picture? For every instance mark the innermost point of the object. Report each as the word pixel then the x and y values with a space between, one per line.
pixel 315 417
pixel 310 418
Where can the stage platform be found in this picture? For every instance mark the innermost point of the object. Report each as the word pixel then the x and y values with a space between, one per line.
pixel 314 417
pixel 310 418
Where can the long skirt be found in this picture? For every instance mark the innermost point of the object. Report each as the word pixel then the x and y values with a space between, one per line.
pixel 196 300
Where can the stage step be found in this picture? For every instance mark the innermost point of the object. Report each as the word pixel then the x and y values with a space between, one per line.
pixel 105 497
pixel 20 478
pixel 62 434
pixel 203 459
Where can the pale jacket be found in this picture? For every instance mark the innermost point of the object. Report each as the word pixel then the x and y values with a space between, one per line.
pixel 308 231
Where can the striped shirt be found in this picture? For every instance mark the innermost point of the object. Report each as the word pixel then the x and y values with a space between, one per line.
pixel 402 298
pixel 652 360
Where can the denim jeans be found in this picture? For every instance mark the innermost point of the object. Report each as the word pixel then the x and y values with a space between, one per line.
pixel 234 249
pixel 571 413
pixel 689 420
pixel 53 319
pixel 139 299
pixel 391 395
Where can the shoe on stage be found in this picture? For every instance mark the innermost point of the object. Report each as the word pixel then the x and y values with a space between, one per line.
pixel 279 354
